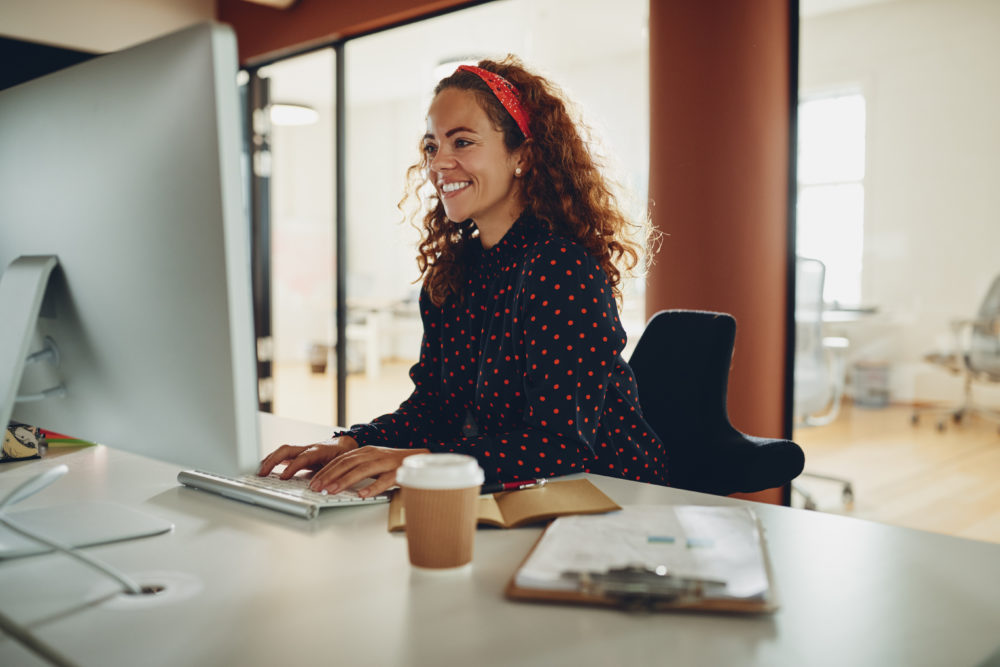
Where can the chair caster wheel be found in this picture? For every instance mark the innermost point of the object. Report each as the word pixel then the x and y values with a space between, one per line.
pixel 848 495
pixel 915 419
pixel 941 426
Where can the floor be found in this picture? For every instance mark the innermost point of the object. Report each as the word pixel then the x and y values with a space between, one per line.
pixel 945 481
pixel 302 394
pixel 915 476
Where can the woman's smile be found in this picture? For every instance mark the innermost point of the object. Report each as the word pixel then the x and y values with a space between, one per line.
pixel 450 189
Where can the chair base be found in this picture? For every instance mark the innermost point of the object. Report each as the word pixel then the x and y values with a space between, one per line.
pixel 966 409
pixel 957 415
pixel 809 500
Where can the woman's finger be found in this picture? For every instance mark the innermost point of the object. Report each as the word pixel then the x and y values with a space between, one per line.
pixel 353 467
pixel 298 462
pixel 281 454
pixel 327 477
pixel 383 482
pixel 310 458
pixel 363 470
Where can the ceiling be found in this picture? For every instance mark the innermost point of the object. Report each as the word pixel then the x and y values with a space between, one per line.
pixel 400 63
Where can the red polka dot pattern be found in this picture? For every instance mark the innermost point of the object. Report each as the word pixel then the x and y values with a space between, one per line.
pixel 525 371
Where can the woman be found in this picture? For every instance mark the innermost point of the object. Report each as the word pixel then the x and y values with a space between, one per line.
pixel 520 362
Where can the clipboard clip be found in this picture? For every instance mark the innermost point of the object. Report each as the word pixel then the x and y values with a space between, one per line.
pixel 637 587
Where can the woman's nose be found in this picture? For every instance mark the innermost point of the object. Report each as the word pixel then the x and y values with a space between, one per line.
pixel 441 160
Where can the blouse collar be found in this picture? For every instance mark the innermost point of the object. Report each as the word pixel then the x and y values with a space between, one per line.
pixel 520 235
pixel 509 249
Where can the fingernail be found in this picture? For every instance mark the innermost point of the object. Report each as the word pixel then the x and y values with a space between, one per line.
pixel 363 493
pixel 324 492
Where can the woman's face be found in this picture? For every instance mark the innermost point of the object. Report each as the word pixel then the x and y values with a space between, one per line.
pixel 469 164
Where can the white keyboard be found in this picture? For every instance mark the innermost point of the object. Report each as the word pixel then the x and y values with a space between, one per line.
pixel 292 495
pixel 298 486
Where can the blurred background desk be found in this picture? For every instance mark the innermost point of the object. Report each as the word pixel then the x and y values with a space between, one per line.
pixel 253 587
pixel 840 314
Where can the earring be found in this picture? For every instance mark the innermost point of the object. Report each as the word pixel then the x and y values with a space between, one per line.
pixel 517 172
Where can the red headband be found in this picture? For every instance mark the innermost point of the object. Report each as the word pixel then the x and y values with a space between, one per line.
pixel 505 92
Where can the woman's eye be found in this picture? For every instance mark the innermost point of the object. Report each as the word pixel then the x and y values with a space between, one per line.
pixel 429 149
pixel 462 143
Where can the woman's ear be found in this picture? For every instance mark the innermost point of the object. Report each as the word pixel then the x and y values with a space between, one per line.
pixel 521 159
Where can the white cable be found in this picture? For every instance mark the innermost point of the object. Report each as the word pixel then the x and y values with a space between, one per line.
pixel 33 486
pixel 29 641
pixel 127 582
pixel 58 391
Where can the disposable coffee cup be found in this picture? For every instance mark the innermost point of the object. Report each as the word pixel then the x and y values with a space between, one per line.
pixel 440 497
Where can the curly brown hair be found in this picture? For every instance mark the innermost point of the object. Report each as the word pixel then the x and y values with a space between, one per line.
pixel 563 187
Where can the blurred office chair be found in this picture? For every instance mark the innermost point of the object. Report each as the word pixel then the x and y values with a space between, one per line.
pixel 681 365
pixel 820 364
pixel 820 367
pixel 976 357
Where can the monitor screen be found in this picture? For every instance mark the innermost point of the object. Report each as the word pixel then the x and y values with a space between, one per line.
pixel 127 170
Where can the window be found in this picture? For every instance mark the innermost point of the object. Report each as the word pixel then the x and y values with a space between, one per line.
pixel 831 193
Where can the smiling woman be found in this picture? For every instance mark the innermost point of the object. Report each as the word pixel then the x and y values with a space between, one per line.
pixel 523 252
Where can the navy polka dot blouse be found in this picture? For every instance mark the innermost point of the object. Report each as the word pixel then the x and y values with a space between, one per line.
pixel 524 373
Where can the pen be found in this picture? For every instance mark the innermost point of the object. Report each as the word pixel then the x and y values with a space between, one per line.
pixel 511 486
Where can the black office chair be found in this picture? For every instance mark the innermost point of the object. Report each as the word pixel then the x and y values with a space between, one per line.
pixel 681 364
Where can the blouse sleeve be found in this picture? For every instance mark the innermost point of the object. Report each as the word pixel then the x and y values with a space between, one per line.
pixel 572 336
pixel 418 421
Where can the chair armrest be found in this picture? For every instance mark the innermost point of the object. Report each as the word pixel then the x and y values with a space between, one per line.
pixel 958 326
pixel 963 329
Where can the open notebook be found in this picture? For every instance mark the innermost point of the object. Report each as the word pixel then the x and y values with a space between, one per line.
pixel 291 496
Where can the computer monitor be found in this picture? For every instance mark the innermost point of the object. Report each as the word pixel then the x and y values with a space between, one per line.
pixel 126 169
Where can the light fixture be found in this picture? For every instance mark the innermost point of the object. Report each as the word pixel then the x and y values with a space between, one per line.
pixel 285 113
pixel 274 4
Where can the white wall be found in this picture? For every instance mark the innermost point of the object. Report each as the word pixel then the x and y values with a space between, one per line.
pixel 930 70
pixel 98 25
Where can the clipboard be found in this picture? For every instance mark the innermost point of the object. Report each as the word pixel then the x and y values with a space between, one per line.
pixel 635 588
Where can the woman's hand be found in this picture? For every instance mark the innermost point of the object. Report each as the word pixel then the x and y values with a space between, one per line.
pixel 349 468
pixel 306 457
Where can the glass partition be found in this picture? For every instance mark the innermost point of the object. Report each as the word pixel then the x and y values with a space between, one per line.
pixel 299 127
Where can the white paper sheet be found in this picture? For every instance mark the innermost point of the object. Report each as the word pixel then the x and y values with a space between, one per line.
pixel 692 541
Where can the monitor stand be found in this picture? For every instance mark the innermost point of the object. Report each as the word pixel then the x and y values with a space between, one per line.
pixel 22 288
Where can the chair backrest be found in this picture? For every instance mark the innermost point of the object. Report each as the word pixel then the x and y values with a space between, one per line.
pixel 814 386
pixel 681 365
pixel 984 344
pixel 810 276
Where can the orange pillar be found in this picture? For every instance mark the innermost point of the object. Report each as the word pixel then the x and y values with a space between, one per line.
pixel 718 178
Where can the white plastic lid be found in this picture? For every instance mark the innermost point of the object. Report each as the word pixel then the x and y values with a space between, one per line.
pixel 440 471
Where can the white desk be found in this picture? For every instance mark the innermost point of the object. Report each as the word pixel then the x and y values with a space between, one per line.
pixel 254 587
